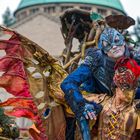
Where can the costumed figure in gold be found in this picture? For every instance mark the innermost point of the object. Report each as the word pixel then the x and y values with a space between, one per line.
pixel 120 117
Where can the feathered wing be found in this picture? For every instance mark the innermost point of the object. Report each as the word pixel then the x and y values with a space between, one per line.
pixel 33 77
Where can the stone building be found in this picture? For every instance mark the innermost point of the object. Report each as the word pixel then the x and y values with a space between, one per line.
pixel 39 19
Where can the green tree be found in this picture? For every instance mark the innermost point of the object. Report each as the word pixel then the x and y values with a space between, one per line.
pixel 136 31
pixel 7 17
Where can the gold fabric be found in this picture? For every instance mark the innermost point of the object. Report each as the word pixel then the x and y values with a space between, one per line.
pixel 116 124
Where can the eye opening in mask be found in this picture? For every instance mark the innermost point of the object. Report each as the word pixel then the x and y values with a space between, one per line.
pixel 122 69
pixel 105 43
pixel 117 39
pixel 125 86
pixel 106 46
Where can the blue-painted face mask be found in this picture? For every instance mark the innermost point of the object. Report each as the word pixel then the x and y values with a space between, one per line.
pixel 109 38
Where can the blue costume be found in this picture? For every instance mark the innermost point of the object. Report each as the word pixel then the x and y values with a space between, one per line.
pixel 95 74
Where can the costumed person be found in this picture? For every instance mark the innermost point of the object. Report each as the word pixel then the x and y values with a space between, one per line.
pixel 8 127
pixel 120 117
pixel 95 74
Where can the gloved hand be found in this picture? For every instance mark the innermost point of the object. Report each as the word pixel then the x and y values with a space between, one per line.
pixel 84 108
pixel 89 111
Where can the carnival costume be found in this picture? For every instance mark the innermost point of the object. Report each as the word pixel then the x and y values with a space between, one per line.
pixel 38 96
pixel 119 123
pixel 114 124
pixel 95 74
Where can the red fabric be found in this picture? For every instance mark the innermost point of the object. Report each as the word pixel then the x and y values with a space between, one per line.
pixel 21 112
pixel 15 85
pixel 18 102
pixel 15 80
pixel 129 63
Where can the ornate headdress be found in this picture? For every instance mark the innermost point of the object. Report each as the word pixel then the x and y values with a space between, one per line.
pixel 127 72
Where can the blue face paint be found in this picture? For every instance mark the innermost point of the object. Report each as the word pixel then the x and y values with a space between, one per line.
pixel 109 38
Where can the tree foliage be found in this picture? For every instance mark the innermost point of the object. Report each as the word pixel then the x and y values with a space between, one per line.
pixel 136 31
pixel 8 17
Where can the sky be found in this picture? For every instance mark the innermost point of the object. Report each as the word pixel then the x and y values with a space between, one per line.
pixel 132 7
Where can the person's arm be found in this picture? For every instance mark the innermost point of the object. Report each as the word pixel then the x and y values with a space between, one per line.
pixel 82 108
pixel 71 84
pixel 74 80
pixel 81 74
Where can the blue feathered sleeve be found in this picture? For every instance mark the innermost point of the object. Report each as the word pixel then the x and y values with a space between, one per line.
pixel 73 81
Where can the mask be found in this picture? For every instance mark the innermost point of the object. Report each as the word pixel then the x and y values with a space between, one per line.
pixel 124 78
pixel 109 38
